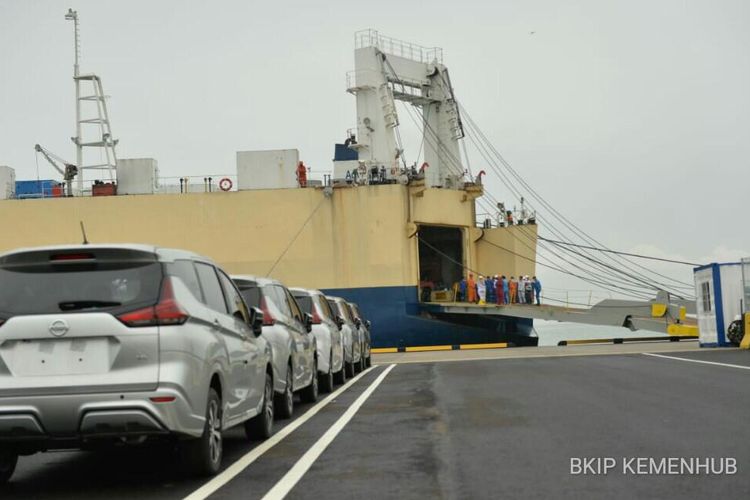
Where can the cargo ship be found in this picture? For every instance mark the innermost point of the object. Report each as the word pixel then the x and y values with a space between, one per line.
pixel 392 237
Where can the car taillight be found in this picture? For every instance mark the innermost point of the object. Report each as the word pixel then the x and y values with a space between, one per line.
pixel 267 318
pixel 316 317
pixel 165 313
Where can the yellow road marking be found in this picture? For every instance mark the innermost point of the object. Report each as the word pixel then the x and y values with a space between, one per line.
pixel 429 348
pixel 383 350
pixel 497 345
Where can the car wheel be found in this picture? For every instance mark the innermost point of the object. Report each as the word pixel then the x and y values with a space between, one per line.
pixel 8 461
pixel 326 380
pixel 368 361
pixel 340 376
pixel 310 393
pixel 285 401
pixel 261 426
pixel 349 367
pixel 204 453
pixel 362 361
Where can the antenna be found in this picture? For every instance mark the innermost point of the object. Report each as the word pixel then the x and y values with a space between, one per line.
pixel 83 232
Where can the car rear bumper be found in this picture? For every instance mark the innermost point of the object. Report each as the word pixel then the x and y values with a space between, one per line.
pixel 83 417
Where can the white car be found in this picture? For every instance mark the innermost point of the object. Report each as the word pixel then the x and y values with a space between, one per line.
pixel 364 326
pixel 327 331
pixel 288 330
pixel 353 360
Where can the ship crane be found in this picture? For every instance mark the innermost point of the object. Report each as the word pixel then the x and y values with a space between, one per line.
pixel 66 169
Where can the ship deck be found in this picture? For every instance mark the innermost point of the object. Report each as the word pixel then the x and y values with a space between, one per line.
pixel 475 424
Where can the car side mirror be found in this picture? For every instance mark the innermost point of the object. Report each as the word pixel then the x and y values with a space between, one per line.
pixel 368 324
pixel 308 322
pixel 339 322
pixel 358 322
pixel 256 321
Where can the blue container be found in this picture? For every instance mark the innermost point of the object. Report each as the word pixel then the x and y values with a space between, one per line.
pixel 36 189
pixel 343 153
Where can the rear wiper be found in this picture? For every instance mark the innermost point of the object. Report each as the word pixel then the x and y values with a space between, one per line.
pixel 86 304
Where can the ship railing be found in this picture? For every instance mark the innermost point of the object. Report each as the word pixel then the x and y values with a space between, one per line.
pixel 401 48
pixel 205 183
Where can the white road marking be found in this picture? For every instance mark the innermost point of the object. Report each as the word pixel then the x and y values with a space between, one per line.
pixel 292 477
pixel 237 467
pixel 697 361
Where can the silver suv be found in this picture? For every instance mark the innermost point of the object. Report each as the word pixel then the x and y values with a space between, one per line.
pixel 364 326
pixel 105 344
pixel 351 336
pixel 287 328
pixel 327 333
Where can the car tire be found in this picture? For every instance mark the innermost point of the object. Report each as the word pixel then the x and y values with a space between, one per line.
pixel 203 454
pixel 285 401
pixel 8 461
pixel 349 367
pixel 340 376
pixel 362 361
pixel 326 379
pixel 368 361
pixel 260 427
pixel 310 393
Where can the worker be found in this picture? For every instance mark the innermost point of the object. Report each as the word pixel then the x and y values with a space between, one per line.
pixel 513 290
pixel 471 289
pixel 506 291
pixel 490 285
pixel 521 290
pixel 301 174
pixel 482 289
pixel 499 295
pixel 537 289
pixel 509 218
pixel 528 290
pixel 462 290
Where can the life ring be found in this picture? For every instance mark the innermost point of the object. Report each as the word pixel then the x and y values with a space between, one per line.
pixel 424 166
pixel 225 184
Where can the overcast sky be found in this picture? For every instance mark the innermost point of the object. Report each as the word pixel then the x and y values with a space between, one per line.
pixel 632 118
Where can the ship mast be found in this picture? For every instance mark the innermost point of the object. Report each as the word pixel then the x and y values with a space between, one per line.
pixel 104 140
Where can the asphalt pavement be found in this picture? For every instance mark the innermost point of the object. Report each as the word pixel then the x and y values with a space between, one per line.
pixel 473 428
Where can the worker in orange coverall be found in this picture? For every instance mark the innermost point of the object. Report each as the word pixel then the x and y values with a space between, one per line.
pixel 471 289
pixel 301 175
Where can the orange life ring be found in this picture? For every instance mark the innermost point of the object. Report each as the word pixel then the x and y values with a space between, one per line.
pixel 225 184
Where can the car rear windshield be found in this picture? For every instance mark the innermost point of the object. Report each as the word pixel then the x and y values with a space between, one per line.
pixel 87 281
pixel 304 301
pixel 325 307
pixel 250 292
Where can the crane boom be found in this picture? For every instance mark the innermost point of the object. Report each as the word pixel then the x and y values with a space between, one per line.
pixel 68 170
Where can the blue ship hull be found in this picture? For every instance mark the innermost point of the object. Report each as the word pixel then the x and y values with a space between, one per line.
pixel 399 320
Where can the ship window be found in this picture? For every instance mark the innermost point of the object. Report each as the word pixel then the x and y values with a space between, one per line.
pixel 440 262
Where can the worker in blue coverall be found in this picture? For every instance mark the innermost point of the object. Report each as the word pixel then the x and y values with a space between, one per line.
pixel 462 290
pixel 491 299
pixel 537 289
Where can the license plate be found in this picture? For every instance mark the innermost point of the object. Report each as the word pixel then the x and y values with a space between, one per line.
pixel 75 356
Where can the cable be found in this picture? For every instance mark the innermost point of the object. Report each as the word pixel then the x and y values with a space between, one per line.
pixel 640 256
pixel 320 203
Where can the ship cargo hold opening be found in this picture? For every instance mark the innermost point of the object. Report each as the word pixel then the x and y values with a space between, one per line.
pixel 440 262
